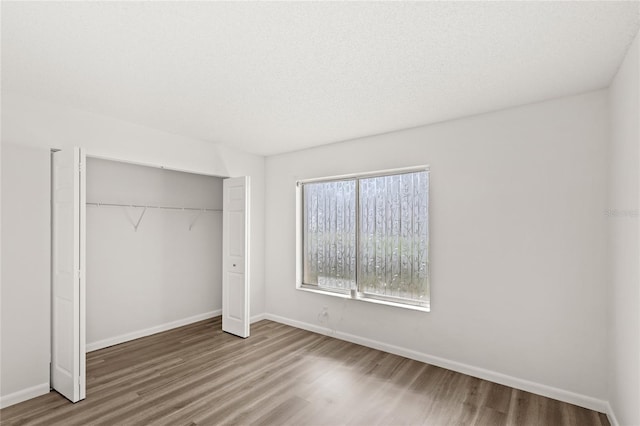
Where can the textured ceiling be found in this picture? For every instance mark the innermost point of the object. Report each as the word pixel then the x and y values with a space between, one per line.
pixel 275 77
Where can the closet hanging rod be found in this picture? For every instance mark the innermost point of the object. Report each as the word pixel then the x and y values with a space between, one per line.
pixel 154 207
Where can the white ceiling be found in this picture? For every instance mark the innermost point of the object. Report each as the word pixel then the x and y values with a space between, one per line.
pixel 275 77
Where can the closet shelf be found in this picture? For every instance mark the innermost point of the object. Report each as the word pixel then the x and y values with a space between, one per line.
pixel 144 208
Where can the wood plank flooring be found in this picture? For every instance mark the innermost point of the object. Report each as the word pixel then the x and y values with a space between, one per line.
pixel 198 375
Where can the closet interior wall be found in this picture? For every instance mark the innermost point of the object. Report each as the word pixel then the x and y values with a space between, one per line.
pixel 163 273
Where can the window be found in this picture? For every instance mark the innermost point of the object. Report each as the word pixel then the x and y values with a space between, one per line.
pixel 366 236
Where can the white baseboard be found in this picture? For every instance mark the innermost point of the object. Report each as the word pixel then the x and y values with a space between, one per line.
pixel 105 343
pixel 23 395
pixel 492 376
pixel 257 318
pixel 611 415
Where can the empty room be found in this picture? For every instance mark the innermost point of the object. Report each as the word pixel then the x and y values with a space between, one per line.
pixel 320 213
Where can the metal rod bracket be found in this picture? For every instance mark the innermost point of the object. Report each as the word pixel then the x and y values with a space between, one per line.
pixel 135 227
pixel 193 222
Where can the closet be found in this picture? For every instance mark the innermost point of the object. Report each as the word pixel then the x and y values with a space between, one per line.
pixel 153 250
pixel 137 250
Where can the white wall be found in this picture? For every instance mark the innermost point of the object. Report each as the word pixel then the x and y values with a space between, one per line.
pixel 161 274
pixel 42 126
pixel 623 286
pixel 518 246
pixel 518 237
pixel 24 339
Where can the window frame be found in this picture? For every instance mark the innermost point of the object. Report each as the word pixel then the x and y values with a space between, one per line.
pixel 355 294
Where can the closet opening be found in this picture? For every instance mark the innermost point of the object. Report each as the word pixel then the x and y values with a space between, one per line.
pixel 153 250
pixel 137 250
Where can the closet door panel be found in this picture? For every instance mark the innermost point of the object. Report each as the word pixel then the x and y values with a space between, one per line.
pixel 67 295
pixel 235 262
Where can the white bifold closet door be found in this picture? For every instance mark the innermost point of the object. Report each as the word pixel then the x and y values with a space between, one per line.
pixel 235 256
pixel 68 274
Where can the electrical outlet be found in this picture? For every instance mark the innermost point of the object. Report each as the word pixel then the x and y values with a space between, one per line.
pixel 323 315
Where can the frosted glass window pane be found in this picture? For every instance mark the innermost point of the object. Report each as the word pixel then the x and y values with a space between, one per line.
pixel 329 239
pixel 393 231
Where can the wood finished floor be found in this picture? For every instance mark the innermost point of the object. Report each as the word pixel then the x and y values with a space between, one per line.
pixel 198 375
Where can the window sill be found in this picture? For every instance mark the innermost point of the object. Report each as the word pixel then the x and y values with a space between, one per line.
pixel 366 299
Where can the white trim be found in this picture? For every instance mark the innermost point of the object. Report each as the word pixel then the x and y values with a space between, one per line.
pixel 299 232
pixel 24 394
pixel 82 264
pixel 105 343
pixel 611 415
pixel 257 318
pixel 492 376
pixel 355 294
pixel 362 298
pixel 377 173
pixel 152 165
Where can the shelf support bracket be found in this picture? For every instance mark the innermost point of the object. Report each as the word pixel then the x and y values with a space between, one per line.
pixel 193 222
pixel 135 227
